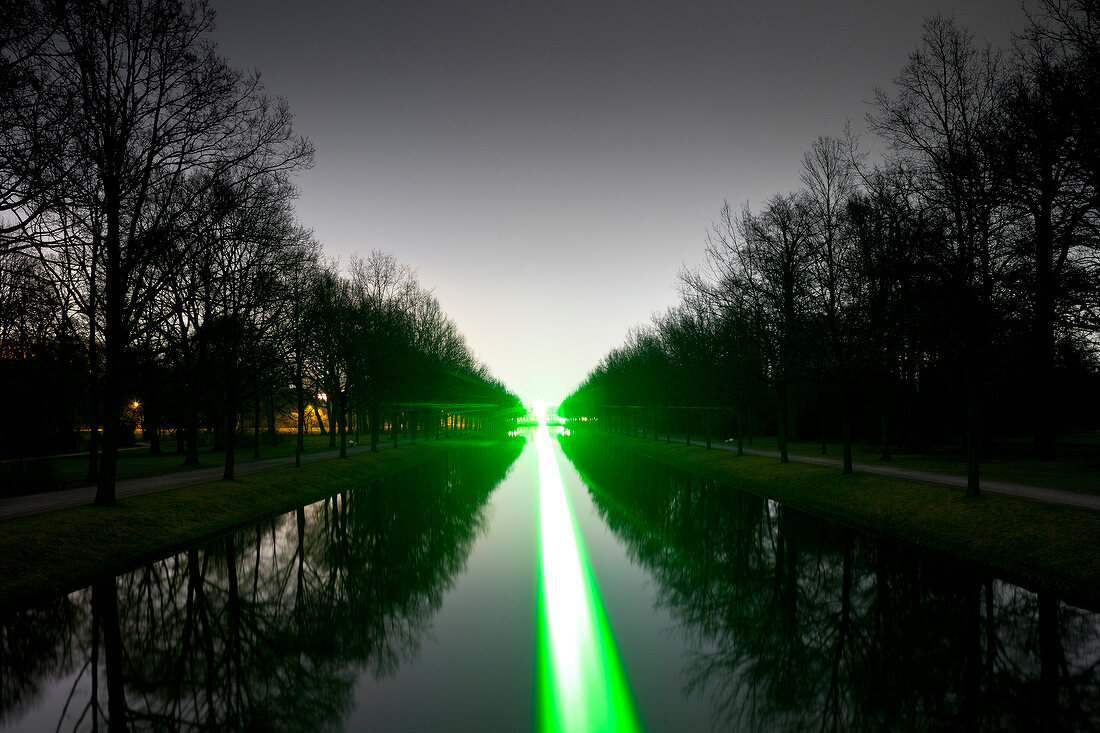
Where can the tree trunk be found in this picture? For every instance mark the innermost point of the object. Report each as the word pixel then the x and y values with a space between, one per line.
pixel 1043 384
pixel 740 434
pixel 973 434
pixel 113 338
pixel 256 426
pixel 341 423
pixel 332 427
pixel 271 420
pixel 821 422
pixel 93 371
pixel 299 438
pixel 846 436
pixel 93 413
pixel 230 420
pixel 884 454
pixel 375 427
pixel 781 422
pixel 846 423
pixel 151 411
pixel 191 401
pixel 112 418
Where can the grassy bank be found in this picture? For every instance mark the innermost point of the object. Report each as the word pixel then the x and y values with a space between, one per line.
pixel 1036 545
pixel 65 549
pixel 1076 469
pixel 55 473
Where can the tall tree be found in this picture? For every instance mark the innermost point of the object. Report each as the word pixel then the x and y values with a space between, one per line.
pixel 829 182
pixel 941 117
pixel 890 233
pixel 151 106
pixel 1043 154
pixel 764 262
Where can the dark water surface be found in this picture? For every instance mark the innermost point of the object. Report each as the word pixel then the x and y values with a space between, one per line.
pixel 410 604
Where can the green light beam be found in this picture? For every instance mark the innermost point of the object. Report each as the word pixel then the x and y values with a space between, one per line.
pixel 581 683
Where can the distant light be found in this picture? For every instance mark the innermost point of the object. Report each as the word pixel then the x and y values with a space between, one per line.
pixel 136 404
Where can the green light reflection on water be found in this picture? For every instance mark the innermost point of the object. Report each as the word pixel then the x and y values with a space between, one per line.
pixel 581 682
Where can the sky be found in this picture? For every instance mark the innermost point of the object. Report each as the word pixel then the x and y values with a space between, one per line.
pixel 548 168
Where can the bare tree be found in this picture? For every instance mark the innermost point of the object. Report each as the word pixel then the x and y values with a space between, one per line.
pixel 829 182
pixel 1046 153
pixel 151 106
pixel 34 121
pixel 941 117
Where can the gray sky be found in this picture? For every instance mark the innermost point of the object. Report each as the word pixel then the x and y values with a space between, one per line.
pixel 548 168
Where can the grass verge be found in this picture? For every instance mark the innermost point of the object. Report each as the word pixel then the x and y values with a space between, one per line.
pixel 1076 469
pixel 1039 546
pixel 56 473
pixel 65 550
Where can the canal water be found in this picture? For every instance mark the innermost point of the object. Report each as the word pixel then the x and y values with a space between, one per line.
pixel 549 583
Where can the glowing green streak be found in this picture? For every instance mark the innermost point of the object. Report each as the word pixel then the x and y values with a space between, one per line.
pixel 582 686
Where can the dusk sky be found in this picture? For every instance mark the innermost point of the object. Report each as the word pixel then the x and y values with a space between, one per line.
pixel 548 168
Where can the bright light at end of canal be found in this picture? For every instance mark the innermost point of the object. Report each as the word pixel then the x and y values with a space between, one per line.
pixel 582 686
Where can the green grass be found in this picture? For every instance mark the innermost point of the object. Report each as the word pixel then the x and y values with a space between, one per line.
pixel 1034 544
pixel 1077 467
pixel 52 474
pixel 64 550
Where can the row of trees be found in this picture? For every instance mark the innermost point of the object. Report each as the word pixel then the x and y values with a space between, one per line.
pixel 961 269
pixel 148 242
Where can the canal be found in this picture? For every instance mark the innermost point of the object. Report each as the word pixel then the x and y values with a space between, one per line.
pixel 549 583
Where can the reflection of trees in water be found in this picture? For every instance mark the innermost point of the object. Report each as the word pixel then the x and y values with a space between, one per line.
pixel 267 629
pixel 798 624
pixel 35 645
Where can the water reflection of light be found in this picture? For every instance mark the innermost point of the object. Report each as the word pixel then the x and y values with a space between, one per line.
pixel 582 686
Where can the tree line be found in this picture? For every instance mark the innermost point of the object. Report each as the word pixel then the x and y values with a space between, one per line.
pixel 150 254
pixel 947 289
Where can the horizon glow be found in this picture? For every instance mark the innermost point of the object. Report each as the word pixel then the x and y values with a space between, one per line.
pixel 581 682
